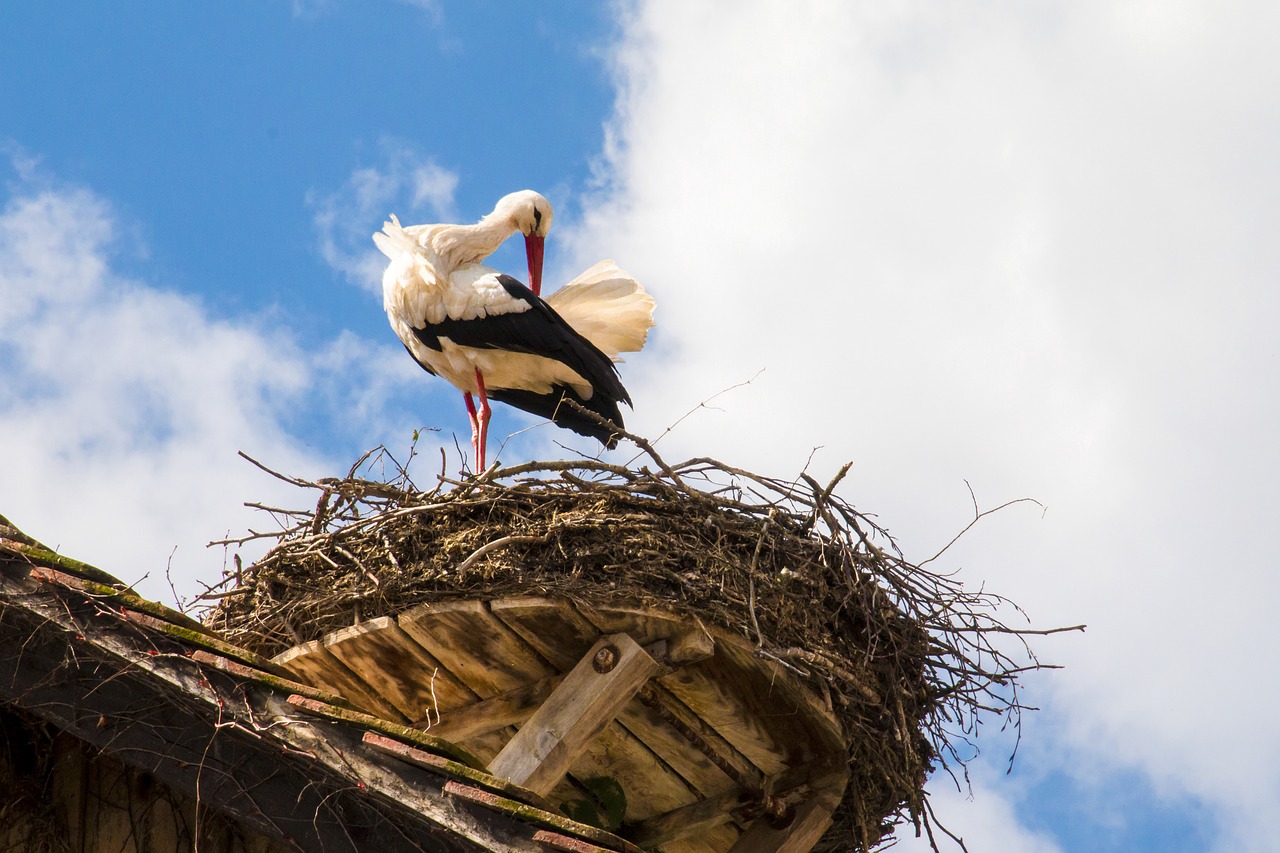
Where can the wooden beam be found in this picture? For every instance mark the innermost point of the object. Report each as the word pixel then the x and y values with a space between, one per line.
pixel 806 782
pixel 506 709
pixel 555 822
pixel 689 820
pixel 588 699
pixel 515 706
pixel 795 831
pixel 556 841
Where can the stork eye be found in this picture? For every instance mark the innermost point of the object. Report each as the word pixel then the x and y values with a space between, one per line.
pixel 537 217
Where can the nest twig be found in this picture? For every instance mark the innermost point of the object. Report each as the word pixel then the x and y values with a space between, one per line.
pixel 909 659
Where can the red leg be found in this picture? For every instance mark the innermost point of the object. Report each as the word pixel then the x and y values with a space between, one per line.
pixel 475 430
pixel 482 419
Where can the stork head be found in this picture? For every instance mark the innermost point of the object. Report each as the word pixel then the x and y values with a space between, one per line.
pixel 529 213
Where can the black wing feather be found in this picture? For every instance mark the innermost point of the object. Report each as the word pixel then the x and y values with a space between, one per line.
pixel 537 331
pixel 541 331
pixel 551 406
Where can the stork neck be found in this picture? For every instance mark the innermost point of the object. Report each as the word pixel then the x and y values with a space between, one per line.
pixel 470 244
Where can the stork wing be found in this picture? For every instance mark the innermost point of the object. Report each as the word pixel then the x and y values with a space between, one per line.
pixel 536 330
pixel 608 307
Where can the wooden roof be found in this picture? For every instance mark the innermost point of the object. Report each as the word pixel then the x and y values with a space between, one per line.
pixel 300 765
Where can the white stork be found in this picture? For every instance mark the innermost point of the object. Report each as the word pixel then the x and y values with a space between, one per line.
pixel 491 336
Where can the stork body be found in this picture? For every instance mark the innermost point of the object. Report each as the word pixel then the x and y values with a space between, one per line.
pixel 492 337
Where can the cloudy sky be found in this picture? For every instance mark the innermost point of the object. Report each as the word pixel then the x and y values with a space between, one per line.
pixel 1027 246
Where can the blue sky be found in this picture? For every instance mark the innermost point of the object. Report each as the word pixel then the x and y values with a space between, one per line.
pixel 207 128
pixel 1027 246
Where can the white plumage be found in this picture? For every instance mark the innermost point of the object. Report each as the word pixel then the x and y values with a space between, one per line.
pixel 608 307
pixel 489 335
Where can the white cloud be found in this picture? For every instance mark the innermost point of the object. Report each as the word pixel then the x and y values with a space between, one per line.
pixel 404 182
pixel 1027 245
pixel 984 819
pixel 122 405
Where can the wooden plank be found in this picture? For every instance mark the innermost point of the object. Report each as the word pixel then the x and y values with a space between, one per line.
pixel 275 682
pixel 797 832
pixel 757 707
pixel 426 741
pixel 551 626
pixel 648 783
pixel 715 817
pixel 555 822
pixel 542 621
pixel 446 767
pixel 478 650
pixel 585 702
pixel 788 709
pixel 691 820
pixel 317 666
pixel 683 757
pixel 473 645
pixel 556 841
pixel 689 640
pixel 716 839
pixel 562 635
pixel 488 653
pixel 505 709
pixel 489 744
pixel 698 732
pixel 398 669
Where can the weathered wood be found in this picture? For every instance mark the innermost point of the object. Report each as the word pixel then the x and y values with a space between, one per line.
pixel 556 841
pixel 585 702
pixel 505 709
pixel 550 626
pixel 650 786
pixel 474 645
pixel 555 822
pixel 796 784
pixel 492 658
pixel 701 736
pixel 645 624
pixel 692 819
pixel 398 669
pixel 801 827
pixel 749 709
pixel 425 740
pixel 452 769
pixel 314 664
pixel 562 635
pixel 725 722
pixel 713 839
pixel 196 728
pixel 285 685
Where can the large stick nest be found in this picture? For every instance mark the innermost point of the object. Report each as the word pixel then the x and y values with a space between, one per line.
pixel 907 658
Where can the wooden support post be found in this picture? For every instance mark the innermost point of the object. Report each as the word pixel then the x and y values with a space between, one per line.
pixel 688 820
pixel 588 699
pixel 797 830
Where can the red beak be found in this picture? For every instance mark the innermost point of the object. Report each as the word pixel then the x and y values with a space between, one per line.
pixel 533 251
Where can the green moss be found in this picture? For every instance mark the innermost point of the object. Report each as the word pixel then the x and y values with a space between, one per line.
pixel 45 557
